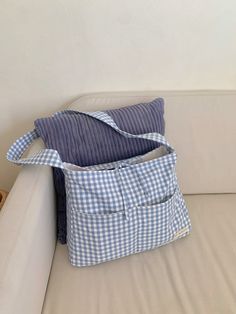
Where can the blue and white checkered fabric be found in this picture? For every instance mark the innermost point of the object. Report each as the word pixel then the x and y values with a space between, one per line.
pixel 120 208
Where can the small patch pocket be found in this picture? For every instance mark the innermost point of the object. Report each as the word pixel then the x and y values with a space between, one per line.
pixel 96 238
pixel 156 223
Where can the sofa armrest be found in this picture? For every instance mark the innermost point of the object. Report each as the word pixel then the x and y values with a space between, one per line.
pixel 27 240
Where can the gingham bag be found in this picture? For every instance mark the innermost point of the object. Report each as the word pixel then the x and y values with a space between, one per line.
pixel 119 208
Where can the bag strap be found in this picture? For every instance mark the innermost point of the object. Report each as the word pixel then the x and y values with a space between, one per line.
pixel 156 137
pixel 52 158
pixel 48 157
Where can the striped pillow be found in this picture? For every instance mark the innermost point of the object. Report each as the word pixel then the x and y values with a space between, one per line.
pixel 84 141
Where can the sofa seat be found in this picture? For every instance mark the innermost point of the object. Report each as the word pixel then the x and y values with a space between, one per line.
pixel 194 275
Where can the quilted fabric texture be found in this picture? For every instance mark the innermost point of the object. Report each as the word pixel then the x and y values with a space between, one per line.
pixel 84 141
pixel 125 209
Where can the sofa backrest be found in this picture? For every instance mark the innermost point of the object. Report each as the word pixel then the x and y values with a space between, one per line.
pixel 201 125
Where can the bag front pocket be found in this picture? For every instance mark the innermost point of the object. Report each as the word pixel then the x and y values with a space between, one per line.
pixel 156 223
pixel 96 238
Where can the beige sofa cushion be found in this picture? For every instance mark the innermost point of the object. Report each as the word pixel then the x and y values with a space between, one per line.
pixel 196 274
pixel 201 127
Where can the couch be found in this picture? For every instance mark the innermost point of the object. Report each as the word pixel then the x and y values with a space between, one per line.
pixel 194 275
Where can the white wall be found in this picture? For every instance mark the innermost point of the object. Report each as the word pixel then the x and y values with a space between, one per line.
pixel 54 50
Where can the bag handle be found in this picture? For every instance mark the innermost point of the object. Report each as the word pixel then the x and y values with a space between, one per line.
pixel 52 158
pixel 104 117
pixel 48 157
